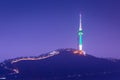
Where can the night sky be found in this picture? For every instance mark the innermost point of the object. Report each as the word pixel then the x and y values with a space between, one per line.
pixel 33 27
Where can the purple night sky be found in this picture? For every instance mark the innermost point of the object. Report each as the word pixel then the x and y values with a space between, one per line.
pixel 32 27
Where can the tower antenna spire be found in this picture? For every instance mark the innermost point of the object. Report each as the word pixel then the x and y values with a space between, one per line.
pixel 80 25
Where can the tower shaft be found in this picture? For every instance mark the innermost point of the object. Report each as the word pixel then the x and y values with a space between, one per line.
pixel 80 33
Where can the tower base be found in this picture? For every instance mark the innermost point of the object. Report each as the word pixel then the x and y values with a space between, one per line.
pixel 81 52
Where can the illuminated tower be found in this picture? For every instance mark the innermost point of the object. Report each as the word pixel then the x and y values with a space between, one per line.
pixel 80 33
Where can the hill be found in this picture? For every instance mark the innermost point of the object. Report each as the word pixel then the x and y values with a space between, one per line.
pixel 62 64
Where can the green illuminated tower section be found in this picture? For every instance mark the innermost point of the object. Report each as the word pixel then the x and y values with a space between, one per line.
pixel 80 39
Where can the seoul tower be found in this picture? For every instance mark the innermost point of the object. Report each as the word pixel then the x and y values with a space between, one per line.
pixel 80 33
